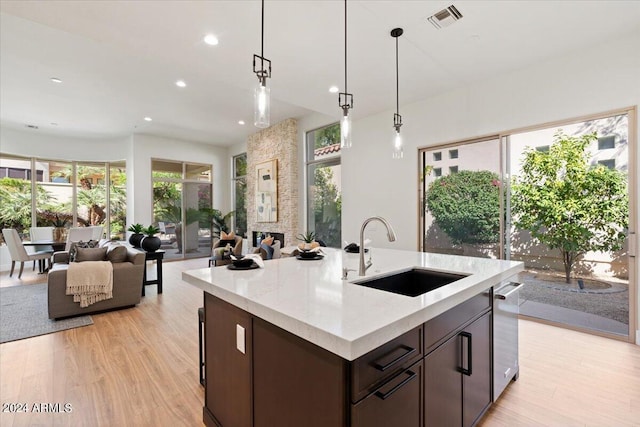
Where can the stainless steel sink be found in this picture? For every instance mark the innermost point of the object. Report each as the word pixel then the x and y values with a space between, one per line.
pixel 413 282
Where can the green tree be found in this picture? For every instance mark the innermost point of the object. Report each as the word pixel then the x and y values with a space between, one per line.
pixel 15 203
pixel 327 207
pixel 327 136
pixel 566 203
pixel 466 206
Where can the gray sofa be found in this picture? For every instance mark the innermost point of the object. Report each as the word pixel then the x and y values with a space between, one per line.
pixel 127 286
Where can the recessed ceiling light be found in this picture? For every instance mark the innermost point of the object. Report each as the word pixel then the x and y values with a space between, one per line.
pixel 241 122
pixel 56 80
pixel 334 89
pixel 210 39
pixel 147 119
pixel 181 83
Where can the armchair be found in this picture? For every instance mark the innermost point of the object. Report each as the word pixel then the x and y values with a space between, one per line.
pixel 217 248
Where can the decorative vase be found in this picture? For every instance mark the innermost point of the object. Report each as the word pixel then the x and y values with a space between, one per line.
pixel 151 243
pixel 135 239
pixel 59 234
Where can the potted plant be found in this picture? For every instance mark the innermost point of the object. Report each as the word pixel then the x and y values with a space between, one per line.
pixel 137 235
pixel 308 238
pixel 59 223
pixel 150 242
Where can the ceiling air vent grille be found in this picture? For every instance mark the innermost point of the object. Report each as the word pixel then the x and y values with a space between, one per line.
pixel 445 17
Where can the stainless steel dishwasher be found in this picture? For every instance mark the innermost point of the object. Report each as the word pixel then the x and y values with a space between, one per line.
pixel 505 336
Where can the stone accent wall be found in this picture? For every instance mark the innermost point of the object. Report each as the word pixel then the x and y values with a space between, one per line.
pixel 276 142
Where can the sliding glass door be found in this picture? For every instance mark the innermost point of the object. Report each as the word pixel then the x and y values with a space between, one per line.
pixel 556 198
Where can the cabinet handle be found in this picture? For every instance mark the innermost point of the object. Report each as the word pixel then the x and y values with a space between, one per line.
pixel 383 396
pixel 515 285
pixel 410 351
pixel 469 369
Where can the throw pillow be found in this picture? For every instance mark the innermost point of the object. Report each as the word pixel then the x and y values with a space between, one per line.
pixel 267 241
pixel 90 254
pixel 268 251
pixel 75 245
pixel 116 253
pixel 225 236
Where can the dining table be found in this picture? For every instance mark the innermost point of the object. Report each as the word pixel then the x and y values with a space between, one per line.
pixel 55 245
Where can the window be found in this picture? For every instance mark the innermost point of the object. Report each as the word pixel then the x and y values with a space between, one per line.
pixel 437 156
pixel 324 194
pixel 610 163
pixel 437 172
pixel 543 148
pixel 453 154
pixel 606 142
pixel 57 185
pixel 453 169
pixel 240 193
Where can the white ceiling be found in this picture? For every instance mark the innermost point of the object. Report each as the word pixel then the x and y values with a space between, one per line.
pixel 119 60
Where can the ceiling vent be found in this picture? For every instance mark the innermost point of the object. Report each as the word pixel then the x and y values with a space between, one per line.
pixel 445 17
pixel 31 126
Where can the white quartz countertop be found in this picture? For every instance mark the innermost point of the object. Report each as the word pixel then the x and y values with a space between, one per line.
pixel 309 299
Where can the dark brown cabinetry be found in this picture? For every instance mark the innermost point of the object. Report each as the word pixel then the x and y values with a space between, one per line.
pixel 228 392
pixel 283 380
pixel 395 403
pixel 458 376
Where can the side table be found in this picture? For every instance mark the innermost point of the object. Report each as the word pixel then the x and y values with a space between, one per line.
pixel 153 256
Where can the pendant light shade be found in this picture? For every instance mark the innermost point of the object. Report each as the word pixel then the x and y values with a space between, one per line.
pixel 345 99
pixel 262 106
pixel 262 95
pixel 397 118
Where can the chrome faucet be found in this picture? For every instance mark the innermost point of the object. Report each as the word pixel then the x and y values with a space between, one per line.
pixel 391 235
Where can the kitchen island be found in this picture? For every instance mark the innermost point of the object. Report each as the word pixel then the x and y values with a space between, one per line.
pixel 294 343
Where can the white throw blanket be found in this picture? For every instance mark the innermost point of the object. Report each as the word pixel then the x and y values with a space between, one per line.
pixel 90 281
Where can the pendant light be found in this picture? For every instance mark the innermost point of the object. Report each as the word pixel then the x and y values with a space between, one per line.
pixel 262 95
pixel 345 99
pixel 397 118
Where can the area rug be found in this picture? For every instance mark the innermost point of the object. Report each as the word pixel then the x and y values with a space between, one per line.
pixel 24 314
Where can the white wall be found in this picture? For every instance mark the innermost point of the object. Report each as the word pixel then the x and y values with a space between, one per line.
pixel 146 147
pixel 603 78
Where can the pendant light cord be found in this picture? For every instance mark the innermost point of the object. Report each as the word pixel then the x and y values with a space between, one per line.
pixel 345 46
pixel 262 40
pixel 397 82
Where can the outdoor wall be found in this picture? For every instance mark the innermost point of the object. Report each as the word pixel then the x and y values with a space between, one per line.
pixel 586 82
pixel 280 142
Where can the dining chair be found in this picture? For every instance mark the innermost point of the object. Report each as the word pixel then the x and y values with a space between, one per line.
pixel 18 252
pixel 78 233
pixel 96 232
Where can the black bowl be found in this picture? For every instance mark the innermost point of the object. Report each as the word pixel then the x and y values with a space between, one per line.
pixel 243 262
pixel 308 254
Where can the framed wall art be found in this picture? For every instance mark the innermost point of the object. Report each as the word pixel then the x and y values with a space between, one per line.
pixel 267 191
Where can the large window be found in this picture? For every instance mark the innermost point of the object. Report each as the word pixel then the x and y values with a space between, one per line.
pixel 240 193
pixel 324 190
pixel 63 194
pixel 182 195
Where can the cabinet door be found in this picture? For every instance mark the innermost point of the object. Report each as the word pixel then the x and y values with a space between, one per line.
pixel 227 369
pixel 296 383
pixel 443 385
pixel 476 386
pixel 396 403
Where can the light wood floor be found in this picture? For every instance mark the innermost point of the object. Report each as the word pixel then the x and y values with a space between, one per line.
pixel 139 367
